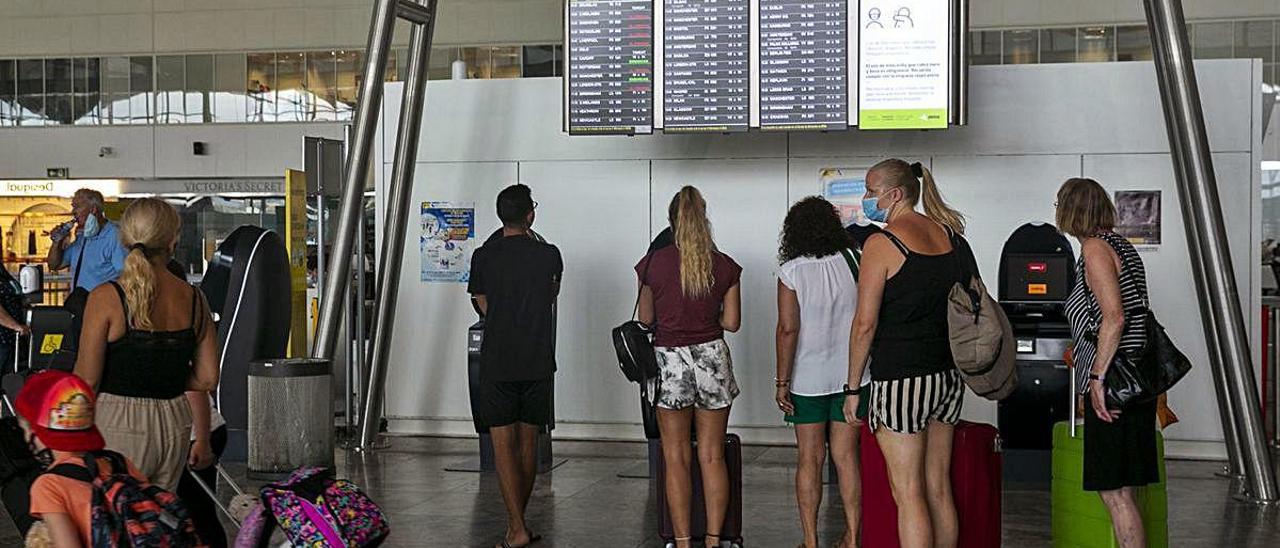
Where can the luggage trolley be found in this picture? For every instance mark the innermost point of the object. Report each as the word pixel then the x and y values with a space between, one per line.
pixel 1037 273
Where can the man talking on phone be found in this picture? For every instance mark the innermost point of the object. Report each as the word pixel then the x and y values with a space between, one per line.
pixel 95 257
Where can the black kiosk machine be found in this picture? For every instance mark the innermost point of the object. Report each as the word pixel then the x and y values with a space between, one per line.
pixel 1037 273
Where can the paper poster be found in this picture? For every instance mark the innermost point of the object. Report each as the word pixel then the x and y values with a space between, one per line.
pixel 448 236
pixel 844 187
pixel 904 72
pixel 1138 216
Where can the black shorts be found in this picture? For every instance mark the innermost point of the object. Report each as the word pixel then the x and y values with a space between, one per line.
pixel 506 403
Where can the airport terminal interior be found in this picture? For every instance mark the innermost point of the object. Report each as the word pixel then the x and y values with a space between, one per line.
pixel 417 229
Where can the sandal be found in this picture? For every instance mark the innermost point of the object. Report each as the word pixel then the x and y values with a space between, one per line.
pixel 533 538
pixel 710 536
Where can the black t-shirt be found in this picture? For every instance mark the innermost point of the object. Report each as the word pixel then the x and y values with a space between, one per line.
pixel 520 279
pixel 860 233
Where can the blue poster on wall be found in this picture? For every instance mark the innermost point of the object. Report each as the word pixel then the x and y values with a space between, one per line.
pixel 448 236
pixel 844 187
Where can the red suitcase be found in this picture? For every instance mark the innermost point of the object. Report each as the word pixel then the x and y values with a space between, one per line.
pixel 731 532
pixel 975 480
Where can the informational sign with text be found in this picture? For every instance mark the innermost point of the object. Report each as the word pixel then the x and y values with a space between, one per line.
pixel 904 76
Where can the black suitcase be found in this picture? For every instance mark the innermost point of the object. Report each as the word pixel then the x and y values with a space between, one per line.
pixel 731 532
pixel 18 470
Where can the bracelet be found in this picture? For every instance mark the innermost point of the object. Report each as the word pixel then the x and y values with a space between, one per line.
pixel 1096 377
pixel 781 382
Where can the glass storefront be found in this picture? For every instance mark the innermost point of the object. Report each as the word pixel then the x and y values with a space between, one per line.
pixel 30 210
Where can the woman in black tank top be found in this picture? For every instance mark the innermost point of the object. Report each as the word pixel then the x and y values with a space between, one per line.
pixel 148 348
pixel 900 328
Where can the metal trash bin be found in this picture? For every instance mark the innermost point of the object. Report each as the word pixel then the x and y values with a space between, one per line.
pixel 290 416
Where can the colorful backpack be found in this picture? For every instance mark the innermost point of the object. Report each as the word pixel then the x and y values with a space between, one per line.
pixel 127 512
pixel 317 511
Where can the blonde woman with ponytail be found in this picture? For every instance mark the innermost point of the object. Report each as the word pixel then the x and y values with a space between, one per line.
pixel 689 293
pixel 900 330
pixel 147 340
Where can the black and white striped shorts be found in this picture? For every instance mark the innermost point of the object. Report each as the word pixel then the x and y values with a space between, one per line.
pixel 907 405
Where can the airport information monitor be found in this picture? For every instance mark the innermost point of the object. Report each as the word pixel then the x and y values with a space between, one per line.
pixel 725 66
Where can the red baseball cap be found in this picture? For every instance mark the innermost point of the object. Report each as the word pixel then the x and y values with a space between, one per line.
pixel 59 408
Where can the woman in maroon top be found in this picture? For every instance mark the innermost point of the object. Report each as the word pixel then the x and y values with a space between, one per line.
pixel 691 290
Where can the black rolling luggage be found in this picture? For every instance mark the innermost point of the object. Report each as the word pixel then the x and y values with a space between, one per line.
pixel 731 532
pixel 18 470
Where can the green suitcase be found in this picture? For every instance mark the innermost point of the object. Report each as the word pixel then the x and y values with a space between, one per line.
pixel 1080 520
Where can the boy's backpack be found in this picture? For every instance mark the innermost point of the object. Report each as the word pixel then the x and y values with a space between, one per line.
pixel 316 511
pixel 127 512
pixel 982 342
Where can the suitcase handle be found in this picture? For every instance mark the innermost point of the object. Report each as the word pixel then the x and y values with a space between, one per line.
pixel 1071 400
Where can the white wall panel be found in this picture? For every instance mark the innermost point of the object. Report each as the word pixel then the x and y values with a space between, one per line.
pixel 1169 278
pixel 25 153
pixel 522 120
pixel 1056 108
pixel 428 364
pixel 597 214
pixel 746 202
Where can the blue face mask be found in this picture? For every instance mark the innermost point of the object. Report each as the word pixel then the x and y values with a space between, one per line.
pixel 91 226
pixel 871 208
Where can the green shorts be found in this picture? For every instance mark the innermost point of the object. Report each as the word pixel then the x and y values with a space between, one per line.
pixel 828 408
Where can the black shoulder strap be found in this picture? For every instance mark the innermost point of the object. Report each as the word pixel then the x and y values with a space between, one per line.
pixel 124 301
pixel 74 471
pixel 644 280
pixel 75 280
pixel 896 242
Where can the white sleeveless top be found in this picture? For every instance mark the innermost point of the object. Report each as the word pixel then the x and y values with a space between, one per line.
pixel 828 297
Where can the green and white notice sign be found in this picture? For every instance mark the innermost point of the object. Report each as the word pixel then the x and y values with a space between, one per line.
pixel 904 74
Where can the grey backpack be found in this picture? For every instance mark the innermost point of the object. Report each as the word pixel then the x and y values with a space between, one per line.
pixel 982 342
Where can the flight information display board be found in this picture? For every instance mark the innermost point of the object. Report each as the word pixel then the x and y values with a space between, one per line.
pixel 723 66
pixel 804 65
pixel 609 67
pixel 706 65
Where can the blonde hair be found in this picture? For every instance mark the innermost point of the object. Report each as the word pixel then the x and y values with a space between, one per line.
pixel 1084 208
pixel 688 217
pixel 148 229
pixel 897 173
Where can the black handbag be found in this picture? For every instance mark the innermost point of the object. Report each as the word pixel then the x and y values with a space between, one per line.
pixel 1140 378
pixel 633 342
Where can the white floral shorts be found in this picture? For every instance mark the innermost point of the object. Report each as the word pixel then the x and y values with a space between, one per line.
pixel 698 375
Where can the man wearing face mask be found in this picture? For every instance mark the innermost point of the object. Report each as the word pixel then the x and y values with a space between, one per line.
pixel 96 256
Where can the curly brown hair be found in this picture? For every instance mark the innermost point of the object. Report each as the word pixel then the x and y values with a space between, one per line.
pixel 812 229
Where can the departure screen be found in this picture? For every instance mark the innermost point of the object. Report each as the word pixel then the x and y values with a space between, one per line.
pixel 727 66
pixel 610 67
pixel 804 65
pixel 706 65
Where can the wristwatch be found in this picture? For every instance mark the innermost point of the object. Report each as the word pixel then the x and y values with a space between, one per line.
pixel 850 391
pixel 1096 377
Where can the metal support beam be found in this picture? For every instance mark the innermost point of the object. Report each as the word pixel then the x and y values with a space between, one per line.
pixel 413 12
pixel 1219 297
pixel 397 219
pixel 357 164
pixel 1227 410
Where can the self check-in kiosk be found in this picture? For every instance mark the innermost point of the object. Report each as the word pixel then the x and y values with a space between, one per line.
pixel 1037 273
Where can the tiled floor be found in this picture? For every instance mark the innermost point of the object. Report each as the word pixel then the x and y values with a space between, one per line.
pixel 584 504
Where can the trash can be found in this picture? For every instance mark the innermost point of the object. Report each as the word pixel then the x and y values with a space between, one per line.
pixel 290 416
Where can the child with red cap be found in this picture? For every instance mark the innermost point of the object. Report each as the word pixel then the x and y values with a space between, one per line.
pixel 57 408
